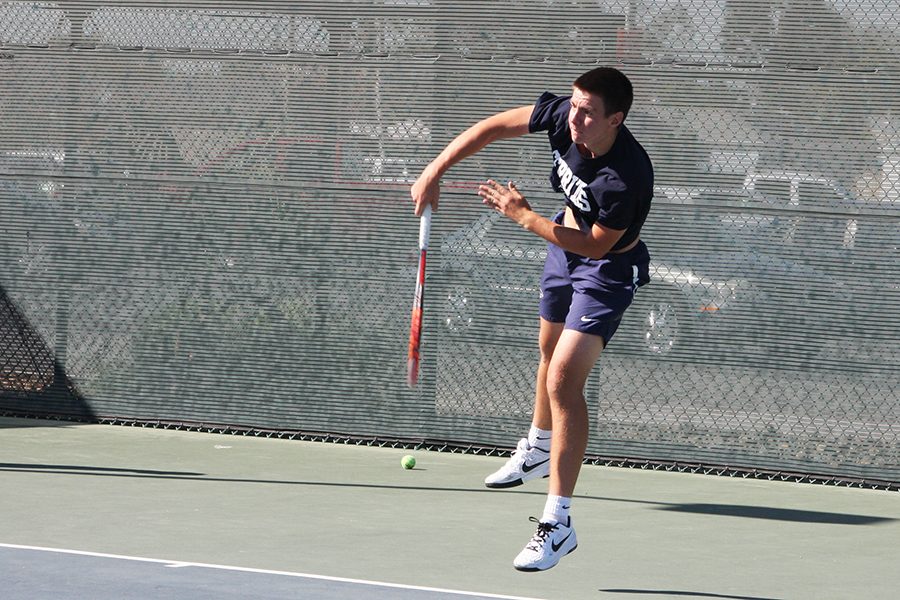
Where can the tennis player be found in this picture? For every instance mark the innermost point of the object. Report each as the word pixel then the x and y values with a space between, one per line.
pixel 595 263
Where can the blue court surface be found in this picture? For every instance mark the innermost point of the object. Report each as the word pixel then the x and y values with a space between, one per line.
pixel 72 574
pixel 104 512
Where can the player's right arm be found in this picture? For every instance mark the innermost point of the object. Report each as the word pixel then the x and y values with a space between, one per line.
pixel 508 124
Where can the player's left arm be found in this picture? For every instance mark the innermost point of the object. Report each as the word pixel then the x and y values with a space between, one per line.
pixel 510 202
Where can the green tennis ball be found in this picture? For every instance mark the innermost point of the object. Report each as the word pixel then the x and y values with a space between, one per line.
pixel 408 461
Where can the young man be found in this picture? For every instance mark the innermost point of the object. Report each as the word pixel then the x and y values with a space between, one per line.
pixel 595 262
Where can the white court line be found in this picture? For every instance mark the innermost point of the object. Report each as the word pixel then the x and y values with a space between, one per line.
pixel 182 564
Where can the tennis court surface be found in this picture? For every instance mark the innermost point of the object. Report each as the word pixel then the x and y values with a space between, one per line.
pixel 103 512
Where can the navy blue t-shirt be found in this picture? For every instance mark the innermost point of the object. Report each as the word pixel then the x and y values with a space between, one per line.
pixel 614 190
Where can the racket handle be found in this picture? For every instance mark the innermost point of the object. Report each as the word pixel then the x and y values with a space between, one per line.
pixel 425 227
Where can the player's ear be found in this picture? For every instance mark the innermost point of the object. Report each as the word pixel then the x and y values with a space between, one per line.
pixel 617 119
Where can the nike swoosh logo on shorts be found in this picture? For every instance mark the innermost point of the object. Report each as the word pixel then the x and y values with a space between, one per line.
pixel 556 546
pixel 526 467
pixel 588 320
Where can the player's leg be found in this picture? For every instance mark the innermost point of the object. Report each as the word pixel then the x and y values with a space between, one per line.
pixel 574 357
pixel 531 459
pixel 547 338
pixel 572 361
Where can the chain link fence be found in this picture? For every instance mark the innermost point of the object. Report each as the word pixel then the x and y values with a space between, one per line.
pixel 206 223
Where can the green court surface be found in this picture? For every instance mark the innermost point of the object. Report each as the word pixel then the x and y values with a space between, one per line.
pixel 351 513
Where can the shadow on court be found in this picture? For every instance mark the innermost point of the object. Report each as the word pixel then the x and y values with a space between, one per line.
pixel 34 423
pixel 776 514
pixel 82 470
pixel 686 594
pixel 725 510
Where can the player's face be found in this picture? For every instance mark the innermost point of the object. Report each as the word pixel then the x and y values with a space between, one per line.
pixel 588 121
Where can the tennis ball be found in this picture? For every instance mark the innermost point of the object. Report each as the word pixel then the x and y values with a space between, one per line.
pixel 408 461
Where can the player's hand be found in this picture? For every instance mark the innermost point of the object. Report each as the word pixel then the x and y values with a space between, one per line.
pixel 507 200
pixel 426 190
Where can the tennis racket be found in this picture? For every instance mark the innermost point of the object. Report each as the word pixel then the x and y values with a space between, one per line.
pixel 415 324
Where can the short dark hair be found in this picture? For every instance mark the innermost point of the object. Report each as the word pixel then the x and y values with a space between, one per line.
pixel 610 84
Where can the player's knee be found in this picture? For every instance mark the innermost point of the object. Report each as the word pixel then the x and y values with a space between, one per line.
pixel 563 386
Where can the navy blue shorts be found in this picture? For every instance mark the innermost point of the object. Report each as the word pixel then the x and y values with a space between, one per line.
pixel 591 295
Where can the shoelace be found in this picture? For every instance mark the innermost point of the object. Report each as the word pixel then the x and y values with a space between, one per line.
pixel 518 455
pixel 540 536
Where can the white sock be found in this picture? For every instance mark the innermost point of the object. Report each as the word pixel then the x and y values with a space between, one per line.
pixel 539 438
pixel 556 510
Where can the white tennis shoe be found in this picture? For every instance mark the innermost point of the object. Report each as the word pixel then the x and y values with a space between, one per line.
pixel 526 463
pixel 550 543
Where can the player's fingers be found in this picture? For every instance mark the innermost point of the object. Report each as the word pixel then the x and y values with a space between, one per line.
pixel 495 186
pixel 488 197
pixel 487 191
pixel 420 207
